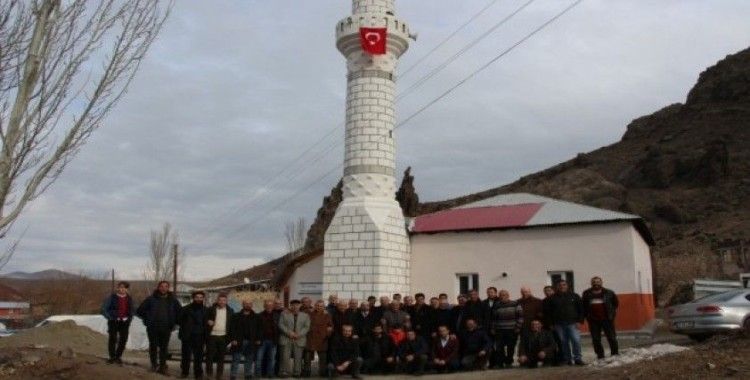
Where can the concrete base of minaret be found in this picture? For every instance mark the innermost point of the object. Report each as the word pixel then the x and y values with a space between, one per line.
pixel 366 250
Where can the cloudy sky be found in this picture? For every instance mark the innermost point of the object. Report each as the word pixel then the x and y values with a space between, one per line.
pixel 234 91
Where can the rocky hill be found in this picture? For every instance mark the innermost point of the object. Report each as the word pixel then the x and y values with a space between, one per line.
pixel 685 169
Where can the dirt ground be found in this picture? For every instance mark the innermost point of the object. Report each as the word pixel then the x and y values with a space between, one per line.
pixel 67 351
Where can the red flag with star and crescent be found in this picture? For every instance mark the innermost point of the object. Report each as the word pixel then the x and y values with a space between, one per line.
pixel 373 40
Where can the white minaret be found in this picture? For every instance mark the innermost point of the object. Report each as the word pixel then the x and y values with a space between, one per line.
pixel 367 246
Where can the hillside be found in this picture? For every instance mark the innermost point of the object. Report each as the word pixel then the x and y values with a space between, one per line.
pixel 49 274
pixel 685 169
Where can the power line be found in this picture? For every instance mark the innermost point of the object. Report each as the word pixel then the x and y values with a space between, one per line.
pixel 425 107
pixel 249 203
pixel 488 64
pixel 461 52
pixel 455 32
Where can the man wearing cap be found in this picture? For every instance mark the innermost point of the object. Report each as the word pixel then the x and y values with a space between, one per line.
pixel 293 326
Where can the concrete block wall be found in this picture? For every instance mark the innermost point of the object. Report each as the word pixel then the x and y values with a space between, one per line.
pixel 366 247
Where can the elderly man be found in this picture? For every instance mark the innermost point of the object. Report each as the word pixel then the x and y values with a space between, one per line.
pixel 505 323
pixel 342 316
pixel 333 300
pixel 293 326
pixel 321 327
pixel 532 308
pixel 394 318
pixel 364 321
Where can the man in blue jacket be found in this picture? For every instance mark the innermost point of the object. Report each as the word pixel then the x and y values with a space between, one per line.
pixel 118 310
pixel 159 313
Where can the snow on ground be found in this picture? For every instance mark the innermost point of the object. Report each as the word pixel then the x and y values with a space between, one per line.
pixel 631 355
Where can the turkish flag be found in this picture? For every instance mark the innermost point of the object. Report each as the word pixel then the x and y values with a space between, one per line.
pixel 373 40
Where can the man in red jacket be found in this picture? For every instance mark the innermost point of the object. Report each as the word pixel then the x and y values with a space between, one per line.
pixel 445 351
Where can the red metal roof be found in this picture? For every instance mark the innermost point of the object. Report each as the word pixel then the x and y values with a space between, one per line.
pixel 479 218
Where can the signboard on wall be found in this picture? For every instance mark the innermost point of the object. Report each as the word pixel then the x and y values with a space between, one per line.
pixel 310 288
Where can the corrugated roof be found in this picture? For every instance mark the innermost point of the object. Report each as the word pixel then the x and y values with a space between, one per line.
pixel 506 211
pixel 501 216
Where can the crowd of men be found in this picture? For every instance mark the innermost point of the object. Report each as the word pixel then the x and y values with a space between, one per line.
pixel 409 335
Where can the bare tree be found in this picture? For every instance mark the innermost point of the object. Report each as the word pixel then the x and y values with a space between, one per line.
pixel 162 256
pixel 63 66
pixel 295 233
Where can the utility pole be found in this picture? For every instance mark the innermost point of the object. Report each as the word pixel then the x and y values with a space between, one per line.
pixel 174 267
pixel 113 280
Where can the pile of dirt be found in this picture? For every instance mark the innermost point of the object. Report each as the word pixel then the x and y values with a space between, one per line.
pixel 49 363
pixel 59 335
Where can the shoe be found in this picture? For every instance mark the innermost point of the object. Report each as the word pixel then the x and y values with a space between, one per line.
pixel 579 362
pixel 163 370
pixel 183 376
pixel 110 361
pixel 118 361
pixel 154 368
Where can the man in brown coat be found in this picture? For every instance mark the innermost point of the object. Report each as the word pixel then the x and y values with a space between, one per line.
pixel 321 327
pixel 533 308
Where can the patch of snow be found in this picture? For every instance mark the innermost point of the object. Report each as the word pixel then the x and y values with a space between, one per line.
pixel 632 355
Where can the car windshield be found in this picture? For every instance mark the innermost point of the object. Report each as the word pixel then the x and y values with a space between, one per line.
pixel 720 297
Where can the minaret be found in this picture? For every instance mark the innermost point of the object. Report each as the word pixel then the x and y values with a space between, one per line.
pixel 366 250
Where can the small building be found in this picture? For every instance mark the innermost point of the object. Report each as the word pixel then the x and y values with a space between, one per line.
pixel 15 310
pixel 515 240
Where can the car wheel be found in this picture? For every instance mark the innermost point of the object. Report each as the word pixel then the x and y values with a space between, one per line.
pixel 699 337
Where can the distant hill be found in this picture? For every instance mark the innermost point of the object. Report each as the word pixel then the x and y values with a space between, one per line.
pixel 685 169
pixel 49 274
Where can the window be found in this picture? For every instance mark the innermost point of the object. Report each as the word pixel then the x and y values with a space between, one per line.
pixel 557 276
pixel 467 282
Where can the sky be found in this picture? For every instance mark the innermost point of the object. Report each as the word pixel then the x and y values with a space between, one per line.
pixel 211 134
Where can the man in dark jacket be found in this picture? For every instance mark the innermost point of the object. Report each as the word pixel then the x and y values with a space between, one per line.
pixel 193 331
pixel 342 316
pixel 566 310
pixel 118 310
pixel 344 355
pixel 379 352
pixel 244 335
pixel 364 321
pixel 218 320
pixel 458 320
pixel 445 351
pixel 533 308
pixel 265 359
pixel 159 313
pixel 600 308
pixel 488 308
pixel 413 353
pixel 418 314
pixel 537 345
pixel 474 309
pixel 475 346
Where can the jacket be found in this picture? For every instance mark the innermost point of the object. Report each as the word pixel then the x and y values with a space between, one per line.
pixel 610 302
pixel 244 327
pixel 343 349
pixel 193 321
pixel 474 341
pixel 565 308
pixel 109 307
pixel 382 347
pixel 505 316
pixel 476 311
pixel 532 343
pixel 415 347
pixel 363 324
pixel 340 318
pixel 317 337
pixel 211 316
pixel 286 328
pixel 148 309
pixel 447 353
pixel 533 308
